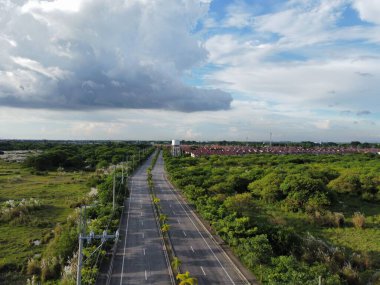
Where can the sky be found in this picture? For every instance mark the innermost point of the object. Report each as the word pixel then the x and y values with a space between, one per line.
pixel 190 69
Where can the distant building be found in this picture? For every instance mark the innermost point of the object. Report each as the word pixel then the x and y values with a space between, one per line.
pixel 176 148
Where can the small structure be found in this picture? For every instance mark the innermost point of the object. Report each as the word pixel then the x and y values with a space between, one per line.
pixel 176 148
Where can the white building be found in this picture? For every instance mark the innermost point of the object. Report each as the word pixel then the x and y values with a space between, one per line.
pixel 176 148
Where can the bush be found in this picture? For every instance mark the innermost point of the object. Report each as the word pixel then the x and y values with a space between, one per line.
pixel 339 219
pixel 329 219
pixel 375 279
pixel 304 193
pixel 358 219
pixel 255 250
pixel 50 268
pixel 287 270
pixel 33 267
pixel 350 274
pixel 268 187
pixel 18 211
pixel 346 183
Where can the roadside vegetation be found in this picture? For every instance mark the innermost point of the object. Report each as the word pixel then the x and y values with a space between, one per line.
pixel 40 202
pixel 32 210
pixel 175 262
pixel 291 218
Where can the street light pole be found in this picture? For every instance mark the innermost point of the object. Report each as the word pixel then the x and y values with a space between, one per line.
pixel 113 188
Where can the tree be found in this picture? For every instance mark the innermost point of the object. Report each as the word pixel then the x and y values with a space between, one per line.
pixel 186 279
pixel 163 218
pixel 241 204
pixel 255 250
pixel 303 192
pixel 156 200
pixel 348 182
pixel 268 187
pixel 165 228
pixel 176 263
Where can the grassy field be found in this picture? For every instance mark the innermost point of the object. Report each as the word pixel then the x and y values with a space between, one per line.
pixel 57 193
pixel 365 240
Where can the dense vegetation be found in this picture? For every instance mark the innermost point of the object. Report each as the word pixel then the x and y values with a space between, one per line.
pixel 40 200
pixel 84 156
pixel 291 218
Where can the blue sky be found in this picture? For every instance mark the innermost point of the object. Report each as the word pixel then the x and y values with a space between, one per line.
pixel 194 69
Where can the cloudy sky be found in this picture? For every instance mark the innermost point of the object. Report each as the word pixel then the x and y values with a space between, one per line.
pixel 190 69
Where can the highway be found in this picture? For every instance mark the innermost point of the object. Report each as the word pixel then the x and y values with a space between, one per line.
pixel 140 258
pixel 193 245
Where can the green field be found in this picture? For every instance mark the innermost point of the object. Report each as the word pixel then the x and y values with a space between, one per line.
pixel 57 193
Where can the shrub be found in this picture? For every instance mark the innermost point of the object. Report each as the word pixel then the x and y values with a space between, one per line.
pixel 268 187
pixel 33 267
pixel 18 210
pixel 50 268
pixel 350 274
pixel 346 183
pixel 328 218
pixel 287 270
pixel 339 219
pixel 375 279
pixel 254 250
pixel 358 220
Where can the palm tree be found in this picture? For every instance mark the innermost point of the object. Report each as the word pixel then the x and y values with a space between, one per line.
pixel 165 228
pixel 186 279
pixel 163 218
pixel 176 263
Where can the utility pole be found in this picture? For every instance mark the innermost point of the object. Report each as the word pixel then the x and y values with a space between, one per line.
pixel 122 173
pixel 79 277
pixel 82 236
pixel 79 267
pixel 113 188
pixel 104 237
pixel 126 159
pixel 270 138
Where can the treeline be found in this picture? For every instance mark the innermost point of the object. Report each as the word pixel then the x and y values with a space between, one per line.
pixel 232 193
pixel 85 156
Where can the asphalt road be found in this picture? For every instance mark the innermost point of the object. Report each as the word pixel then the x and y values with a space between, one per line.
pixel 139 258
pixel 193 245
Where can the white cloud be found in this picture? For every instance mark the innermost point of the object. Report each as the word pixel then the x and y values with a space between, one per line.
pixel 307 67
pixel 324 124
pixel 246 119
pixel 49 6
pixel 302 24
pixel 238 15
pixel 369 10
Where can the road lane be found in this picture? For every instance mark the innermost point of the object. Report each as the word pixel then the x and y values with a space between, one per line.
pixel 139 257
pixel 193 245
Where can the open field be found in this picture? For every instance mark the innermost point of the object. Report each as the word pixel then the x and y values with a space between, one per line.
pixel 57 193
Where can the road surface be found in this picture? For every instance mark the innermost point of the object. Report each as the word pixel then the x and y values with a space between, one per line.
pixel 193 245
pixel 140 258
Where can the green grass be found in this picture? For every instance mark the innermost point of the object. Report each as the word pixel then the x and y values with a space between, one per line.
pixel 362 240
pixel 56 192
